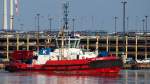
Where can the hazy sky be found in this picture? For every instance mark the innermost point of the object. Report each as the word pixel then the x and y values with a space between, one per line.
pixel 88 14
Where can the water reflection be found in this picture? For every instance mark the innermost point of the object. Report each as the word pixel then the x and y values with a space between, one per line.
pixel 53 79
pixel 136 76
pixel 125 77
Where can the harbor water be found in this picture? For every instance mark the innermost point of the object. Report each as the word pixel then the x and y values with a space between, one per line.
pixel 124 77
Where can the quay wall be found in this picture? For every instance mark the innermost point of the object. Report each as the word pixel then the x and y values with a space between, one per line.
pixel 132 46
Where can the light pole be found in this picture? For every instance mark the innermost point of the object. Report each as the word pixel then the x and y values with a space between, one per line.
pixel 50 24
pixel 124 16
pixel 38 26
pixel 73 20
pixel 35 20
pixel 143 22
pixel 146 37
pixel 116 25
pixel 124 32
pixel 146 23
pixel 127 24
pixel 38 22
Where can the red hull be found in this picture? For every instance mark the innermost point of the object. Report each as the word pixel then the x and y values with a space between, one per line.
pixel 83 66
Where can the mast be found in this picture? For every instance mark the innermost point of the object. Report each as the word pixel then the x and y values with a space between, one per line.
pixel 64 32
pixel 65 18
pixel 65 25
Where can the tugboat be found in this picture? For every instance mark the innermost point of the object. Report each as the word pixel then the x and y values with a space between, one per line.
pixel 68 58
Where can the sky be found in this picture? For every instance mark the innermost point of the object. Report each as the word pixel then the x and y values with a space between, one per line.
pixel 88 14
